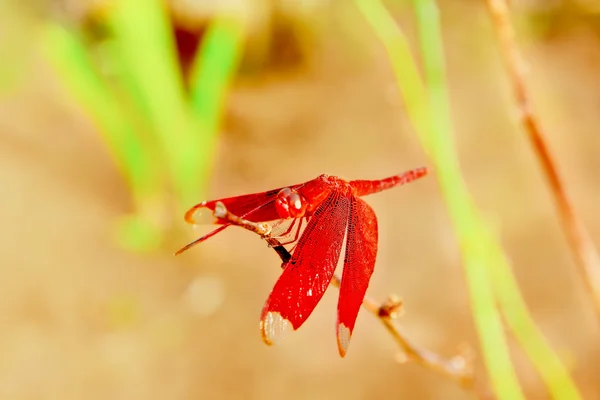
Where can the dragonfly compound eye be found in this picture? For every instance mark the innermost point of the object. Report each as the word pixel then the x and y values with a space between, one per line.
pixel 290 204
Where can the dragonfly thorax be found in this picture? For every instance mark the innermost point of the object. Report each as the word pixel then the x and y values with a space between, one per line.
pixel 290 204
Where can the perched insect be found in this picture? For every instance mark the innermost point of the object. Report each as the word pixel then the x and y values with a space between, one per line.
pixel 333 209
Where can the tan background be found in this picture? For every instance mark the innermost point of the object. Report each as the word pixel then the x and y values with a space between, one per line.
pixel 81 318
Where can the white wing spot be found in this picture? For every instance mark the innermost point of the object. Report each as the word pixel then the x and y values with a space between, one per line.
pixel 309 292
pixel 202 216
pixel 343 338
pixel 273 327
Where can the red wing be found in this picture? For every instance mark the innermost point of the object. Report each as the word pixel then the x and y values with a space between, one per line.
pixel 309 272
pixel 359 262
pixel 255 207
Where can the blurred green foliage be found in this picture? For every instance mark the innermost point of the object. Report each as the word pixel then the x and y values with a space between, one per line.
pixel 14 49
pixel 161 136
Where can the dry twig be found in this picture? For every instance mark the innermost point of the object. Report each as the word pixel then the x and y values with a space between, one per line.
pixel 459 368
pixel 581 244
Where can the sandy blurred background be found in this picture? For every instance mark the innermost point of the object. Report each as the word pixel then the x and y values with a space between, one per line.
pixel 82 318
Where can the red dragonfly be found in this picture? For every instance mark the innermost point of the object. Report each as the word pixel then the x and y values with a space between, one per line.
pixel 333 209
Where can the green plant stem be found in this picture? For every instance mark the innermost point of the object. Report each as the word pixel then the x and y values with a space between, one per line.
pixel 474 237
pixel 68 55
pixel 506 289
pixel 213 72
pixel 144 43
pixel 484 260
pixel 438 144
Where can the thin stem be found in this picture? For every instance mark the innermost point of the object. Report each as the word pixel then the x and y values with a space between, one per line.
pixel 582 246
pixel 457 368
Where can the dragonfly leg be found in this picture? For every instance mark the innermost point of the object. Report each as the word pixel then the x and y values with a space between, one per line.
pixel 295 236
pixel 288 231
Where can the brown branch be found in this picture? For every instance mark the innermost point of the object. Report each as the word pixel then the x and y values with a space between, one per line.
pixel 459 368
pixel 582 246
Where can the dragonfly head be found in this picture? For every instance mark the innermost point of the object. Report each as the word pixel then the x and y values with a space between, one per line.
pixel 290 204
